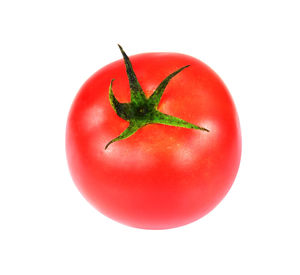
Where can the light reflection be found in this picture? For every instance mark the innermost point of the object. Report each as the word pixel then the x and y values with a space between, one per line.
pixel 93 117
pixel 185 153
pixel 126 157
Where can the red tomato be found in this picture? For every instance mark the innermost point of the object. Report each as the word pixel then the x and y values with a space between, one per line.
pixel 161 176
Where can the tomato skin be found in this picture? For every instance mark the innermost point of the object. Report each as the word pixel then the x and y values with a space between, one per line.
pixel 162 176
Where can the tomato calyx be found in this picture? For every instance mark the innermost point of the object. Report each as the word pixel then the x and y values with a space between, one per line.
pixel 141 111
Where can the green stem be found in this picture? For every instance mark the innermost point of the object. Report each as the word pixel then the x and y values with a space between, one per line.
pixel 141 111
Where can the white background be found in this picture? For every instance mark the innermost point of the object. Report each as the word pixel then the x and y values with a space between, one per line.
pixel 49 48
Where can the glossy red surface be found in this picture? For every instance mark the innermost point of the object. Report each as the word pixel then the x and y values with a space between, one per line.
pixel 162 176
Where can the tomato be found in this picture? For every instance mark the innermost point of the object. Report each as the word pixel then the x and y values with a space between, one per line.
pixel 158 147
